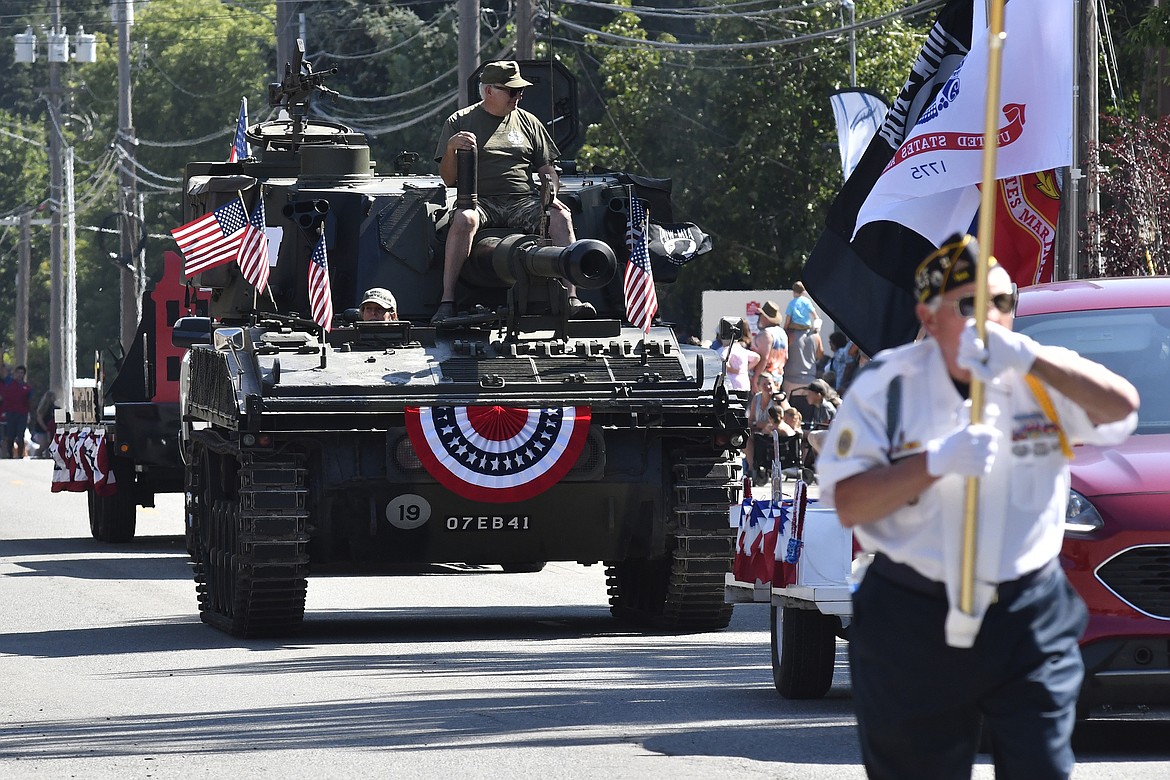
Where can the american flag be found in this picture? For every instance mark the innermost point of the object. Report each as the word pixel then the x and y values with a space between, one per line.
pixel 213 239
pixel 320 296
pixel 641 300
pixel 240 148
pixel 253 258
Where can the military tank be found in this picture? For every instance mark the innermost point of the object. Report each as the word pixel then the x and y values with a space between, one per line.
pixel 508 435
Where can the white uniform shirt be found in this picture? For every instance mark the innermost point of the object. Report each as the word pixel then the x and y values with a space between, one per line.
pixel 1021 501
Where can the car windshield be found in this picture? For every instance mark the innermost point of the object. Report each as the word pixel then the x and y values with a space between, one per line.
pixel 1132 342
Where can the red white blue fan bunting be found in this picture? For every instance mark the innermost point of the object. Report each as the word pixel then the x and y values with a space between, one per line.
pixel 497 453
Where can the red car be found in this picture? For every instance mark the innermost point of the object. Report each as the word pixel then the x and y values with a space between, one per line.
pixel 1117 535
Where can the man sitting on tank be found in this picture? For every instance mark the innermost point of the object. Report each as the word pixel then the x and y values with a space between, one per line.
pixel 511 143
pixel 378 305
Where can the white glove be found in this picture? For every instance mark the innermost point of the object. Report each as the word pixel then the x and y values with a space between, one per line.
pixel 967 451
pixel 1006 350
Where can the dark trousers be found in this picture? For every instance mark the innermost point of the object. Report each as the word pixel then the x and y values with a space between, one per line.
pixel 919 701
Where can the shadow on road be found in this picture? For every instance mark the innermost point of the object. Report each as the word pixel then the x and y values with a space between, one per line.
pixel 160 558
pixel 447 625
pixel 531 689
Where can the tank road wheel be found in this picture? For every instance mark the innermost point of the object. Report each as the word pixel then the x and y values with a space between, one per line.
pixel 251 558
pixel 683 590
pixel 804 650
pixel 112 518
pixel 198 484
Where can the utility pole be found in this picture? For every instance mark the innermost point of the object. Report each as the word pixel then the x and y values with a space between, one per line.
pixel 1087 128
pixel 23 263
pixel 130 261
pixel 468 46
pixel 1080 198
pixel 286 35
pixel 60 377
pixel 70 273
pixel 525 36
pixel 849 6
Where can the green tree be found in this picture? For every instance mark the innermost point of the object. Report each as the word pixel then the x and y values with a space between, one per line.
pixel 745 132
pixel 1132 230
pixel 192 61
pixel 396 77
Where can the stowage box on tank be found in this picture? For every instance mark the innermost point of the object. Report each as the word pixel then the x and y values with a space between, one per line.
pixel 508 435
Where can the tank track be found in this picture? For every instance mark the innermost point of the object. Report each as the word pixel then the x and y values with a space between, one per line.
pixel 683 591
pixel 252 560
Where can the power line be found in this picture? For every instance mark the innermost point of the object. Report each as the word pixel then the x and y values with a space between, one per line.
pixel 918 8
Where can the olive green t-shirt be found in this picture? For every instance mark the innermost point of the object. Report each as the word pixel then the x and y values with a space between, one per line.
pixel 510 147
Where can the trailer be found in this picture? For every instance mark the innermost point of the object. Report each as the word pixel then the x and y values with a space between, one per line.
pixel 793 555
pixel 120 442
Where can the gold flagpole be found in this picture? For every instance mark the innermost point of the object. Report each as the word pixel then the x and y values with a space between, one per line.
pixel 995 39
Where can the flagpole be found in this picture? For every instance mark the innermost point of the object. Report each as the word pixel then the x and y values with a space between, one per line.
pixel 995 40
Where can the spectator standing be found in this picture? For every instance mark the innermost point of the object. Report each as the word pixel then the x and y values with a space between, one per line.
pixel 43 424
pixel 804 352
pixel 740 360
pixel 16 393
pixel 770 343
pixel 839 349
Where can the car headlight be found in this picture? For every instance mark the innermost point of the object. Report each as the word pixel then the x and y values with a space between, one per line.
pixel 1081 517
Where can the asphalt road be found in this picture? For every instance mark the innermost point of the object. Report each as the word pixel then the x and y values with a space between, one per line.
pixel 107 672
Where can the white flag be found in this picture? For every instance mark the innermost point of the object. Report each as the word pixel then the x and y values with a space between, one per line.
pixel 859 114
pixel 943 156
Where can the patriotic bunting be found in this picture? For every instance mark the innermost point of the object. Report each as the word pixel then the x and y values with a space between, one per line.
pixel 495 453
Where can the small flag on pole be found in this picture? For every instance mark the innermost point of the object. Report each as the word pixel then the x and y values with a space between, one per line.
pixel 320 295
pixel 253 258
pixel 213 239
pixel 641 300
pixel 240 148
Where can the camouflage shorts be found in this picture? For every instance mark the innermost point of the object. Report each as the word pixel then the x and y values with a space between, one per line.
pixel 523 212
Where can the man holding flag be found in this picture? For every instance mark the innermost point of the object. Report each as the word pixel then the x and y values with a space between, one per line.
pixel 895 465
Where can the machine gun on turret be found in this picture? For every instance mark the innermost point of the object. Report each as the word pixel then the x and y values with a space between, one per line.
pixel 297 88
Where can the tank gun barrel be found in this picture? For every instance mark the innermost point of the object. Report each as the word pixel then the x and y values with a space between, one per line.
pixel 588 263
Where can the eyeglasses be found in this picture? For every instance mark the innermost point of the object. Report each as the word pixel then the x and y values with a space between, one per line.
pixel 513 92
pixel 1005 302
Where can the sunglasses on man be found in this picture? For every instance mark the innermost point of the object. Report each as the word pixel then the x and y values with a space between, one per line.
pixel 513 92
pixel 1004 302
